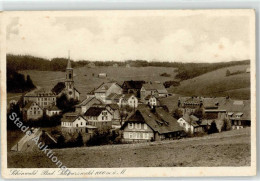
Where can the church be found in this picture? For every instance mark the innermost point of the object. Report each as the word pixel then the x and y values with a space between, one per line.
pixel 67 87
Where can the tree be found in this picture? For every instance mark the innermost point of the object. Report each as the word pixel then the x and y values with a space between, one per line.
pixel 198 113
pixel 177 113
pixel 29 82
pixel 65 104
pixel 213 128
pixel 228 73
pixel 79 140
pixel 226 125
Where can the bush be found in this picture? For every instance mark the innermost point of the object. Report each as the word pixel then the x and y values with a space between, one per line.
pixel 226 125
pixel 165 75
pixel 104 137
pixel 213 128
pixel 177 113
pixel 168 84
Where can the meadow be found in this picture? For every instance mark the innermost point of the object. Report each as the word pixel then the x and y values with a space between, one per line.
pixel 216 83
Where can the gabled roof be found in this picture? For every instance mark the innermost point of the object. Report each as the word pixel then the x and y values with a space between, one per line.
pixel 238 106
pixel 161 121
pixel 213 103
pixel 133 84
pixel 159 87
pixel 29 104
pixel 149 96
pixel 87 101
pixel 191 119
pixel 94 111
pixel 127 96
pixel 71 117
pixel 40 92
pixel 113 106
pixel 112 96
pixel 53 108
pixel 105 86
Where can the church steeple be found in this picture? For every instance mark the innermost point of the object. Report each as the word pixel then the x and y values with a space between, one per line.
pixel 69 64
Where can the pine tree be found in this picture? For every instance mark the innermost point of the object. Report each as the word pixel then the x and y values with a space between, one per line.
pixel 213 128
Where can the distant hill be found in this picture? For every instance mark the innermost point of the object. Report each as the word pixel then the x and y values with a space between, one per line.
pixel 184 71
pixel 216 83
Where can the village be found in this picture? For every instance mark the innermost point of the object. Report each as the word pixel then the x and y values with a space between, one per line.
pixel 131 112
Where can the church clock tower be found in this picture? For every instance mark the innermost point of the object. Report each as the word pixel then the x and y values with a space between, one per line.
pixel 69 83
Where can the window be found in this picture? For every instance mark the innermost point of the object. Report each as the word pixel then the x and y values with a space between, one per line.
pixel 130 125
pixel 130 135
pixel 145 126
pixel 81 123
pixel 138 125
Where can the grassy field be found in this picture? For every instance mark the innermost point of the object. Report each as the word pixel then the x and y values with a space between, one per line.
pixel 85 81
pixel 231 148
pixel 216 83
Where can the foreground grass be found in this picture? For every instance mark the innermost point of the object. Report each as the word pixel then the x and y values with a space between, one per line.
pixel 230 148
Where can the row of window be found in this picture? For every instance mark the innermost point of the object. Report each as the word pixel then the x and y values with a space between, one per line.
pixel 138 135
pixel 35 112
pixel 45 99
pixel 136 125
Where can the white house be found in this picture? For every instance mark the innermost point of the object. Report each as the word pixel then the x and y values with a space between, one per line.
pixel 32 111
pixel 151 100
pixel 54 110
pixel 128 100
pixel 99 117
pixel 190 123
pixel 72 122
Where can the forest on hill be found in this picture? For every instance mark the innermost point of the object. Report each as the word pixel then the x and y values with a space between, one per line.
pixel 184 70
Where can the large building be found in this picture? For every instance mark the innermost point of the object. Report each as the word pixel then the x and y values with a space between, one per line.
pixel 148 125
pixel 44 98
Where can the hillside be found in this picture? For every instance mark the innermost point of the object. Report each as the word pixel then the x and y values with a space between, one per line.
pixel 216 83
pixel 231 148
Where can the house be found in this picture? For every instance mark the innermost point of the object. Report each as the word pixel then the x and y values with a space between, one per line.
pixel 102 75
pixel 99 117
pixel 151 100
pixel 44 98
pixel 211 108
pixel 73 122
pixel 133 87
pixel 53 110
pixel 113 98
pixel 145 125
pixel 128 100
pixel 86 104
pixel 32 111
pixel 67 87
pixel 238 112
pixel 105 89
pixel 157 90
pixel 189 104
pixel 191 124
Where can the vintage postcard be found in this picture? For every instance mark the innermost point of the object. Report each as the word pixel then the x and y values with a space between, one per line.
pixel 144 93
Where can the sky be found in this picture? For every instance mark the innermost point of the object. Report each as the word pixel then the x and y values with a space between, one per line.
pixel 113 36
